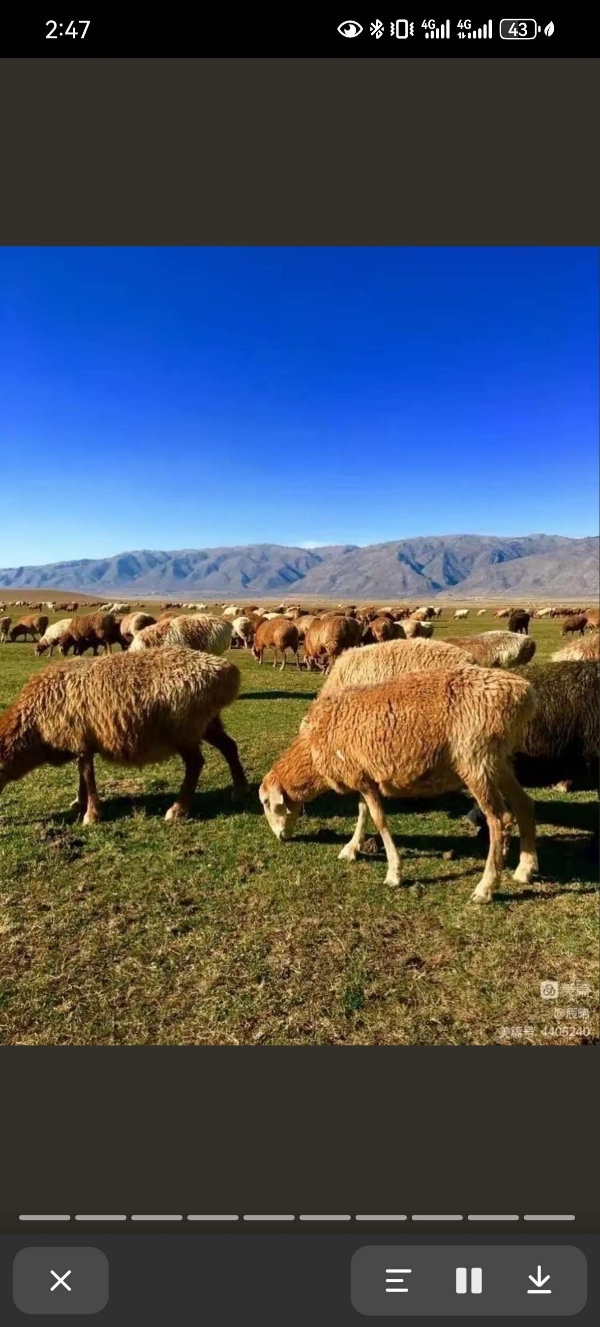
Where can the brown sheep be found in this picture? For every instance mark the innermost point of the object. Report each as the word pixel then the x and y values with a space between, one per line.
pixel 71 608
pixel 88 633
pixel 329 637
pixel 593 618
pixel 381 628
pixel 277 633
pixel 4 629
pixel 135 709
pixel 519 622
pixel 574 624
pixel 34 626
pixel 419 735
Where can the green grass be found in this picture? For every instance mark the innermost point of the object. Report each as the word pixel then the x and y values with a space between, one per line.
pixel 210 931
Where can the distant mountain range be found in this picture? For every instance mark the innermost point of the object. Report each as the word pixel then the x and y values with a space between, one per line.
pixel 458 566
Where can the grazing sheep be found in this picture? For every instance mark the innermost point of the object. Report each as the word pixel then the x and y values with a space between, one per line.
pixel 242 630
pixel 52 636
pixel 586 648
pixel 496 649
pixel 30 626
pixel 481 612
pixel 212 635
pixel 561 742
pixel 232 611
pixel 302 624
pixel 519 622
pixel 419 735
pixel 329 637
pixel 132 708
pixel 134 622
pixel 574 624
pixel 503 612
pixel 461 613
pixel 4 629
pixel 119 608
pixel 545 612
pixel 381 628
pixel 413 628
pixel 88 633
pixel 380 663
pixel 276 633
pixel 71 608
pixel 593 618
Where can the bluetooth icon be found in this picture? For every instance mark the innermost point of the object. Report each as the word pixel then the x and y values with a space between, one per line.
pixel 377 29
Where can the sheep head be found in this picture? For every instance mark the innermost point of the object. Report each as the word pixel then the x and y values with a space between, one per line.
pixel 281 812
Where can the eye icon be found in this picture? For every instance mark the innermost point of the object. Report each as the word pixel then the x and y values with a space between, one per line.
pixel 350 28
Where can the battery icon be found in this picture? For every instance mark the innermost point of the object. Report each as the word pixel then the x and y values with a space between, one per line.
pixel 519 29
pixel 402 28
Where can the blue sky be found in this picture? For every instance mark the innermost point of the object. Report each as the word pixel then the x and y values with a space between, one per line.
pixel 178 398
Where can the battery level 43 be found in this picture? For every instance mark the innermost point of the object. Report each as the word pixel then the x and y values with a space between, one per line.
pixel 518 29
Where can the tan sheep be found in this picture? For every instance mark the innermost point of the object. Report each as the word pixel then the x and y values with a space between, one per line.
pixel 586 648
pixel 328 637
pixel 4 629
pixel 496 649
pixel 134 622
pixel 53 636
pixel 135 709
pixel 379 663
pixel 412 627
pixel 212 635
pixel 419 735
pixel 242 631
pixel 302 624
pixel 276 633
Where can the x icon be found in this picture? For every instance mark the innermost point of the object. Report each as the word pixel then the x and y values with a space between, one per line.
pixel 60 1280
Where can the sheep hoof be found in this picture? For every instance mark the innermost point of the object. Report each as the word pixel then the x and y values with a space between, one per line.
pixel 523 874
pixel 393 878
pixel 480 895
pixel 175 812
pixel 348 854
pixel 91 817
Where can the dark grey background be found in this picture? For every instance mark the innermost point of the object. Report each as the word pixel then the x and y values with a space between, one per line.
pixel 299 152
pixel 221 1282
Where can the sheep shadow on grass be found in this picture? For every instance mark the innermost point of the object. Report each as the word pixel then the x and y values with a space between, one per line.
pixel 208 804
pixel 305 696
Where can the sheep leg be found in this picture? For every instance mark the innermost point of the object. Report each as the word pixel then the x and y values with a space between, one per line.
pixel 351 850
pixel 86 771
pixel 275 658
pixel 297 658
pixel 81 801
pixel 523 809
pixel 492 805
pixel 375 809
pixel 193 762
pixel 216 736
pixel 282 660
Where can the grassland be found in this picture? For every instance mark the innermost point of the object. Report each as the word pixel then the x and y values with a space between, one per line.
pixel 210 931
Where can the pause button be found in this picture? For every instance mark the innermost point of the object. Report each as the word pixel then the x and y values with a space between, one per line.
pixel 476 1280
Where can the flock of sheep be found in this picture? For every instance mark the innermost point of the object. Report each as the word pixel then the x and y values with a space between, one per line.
pixel 399 714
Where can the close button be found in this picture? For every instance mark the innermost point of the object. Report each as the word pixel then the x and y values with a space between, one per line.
pixel 60 1280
